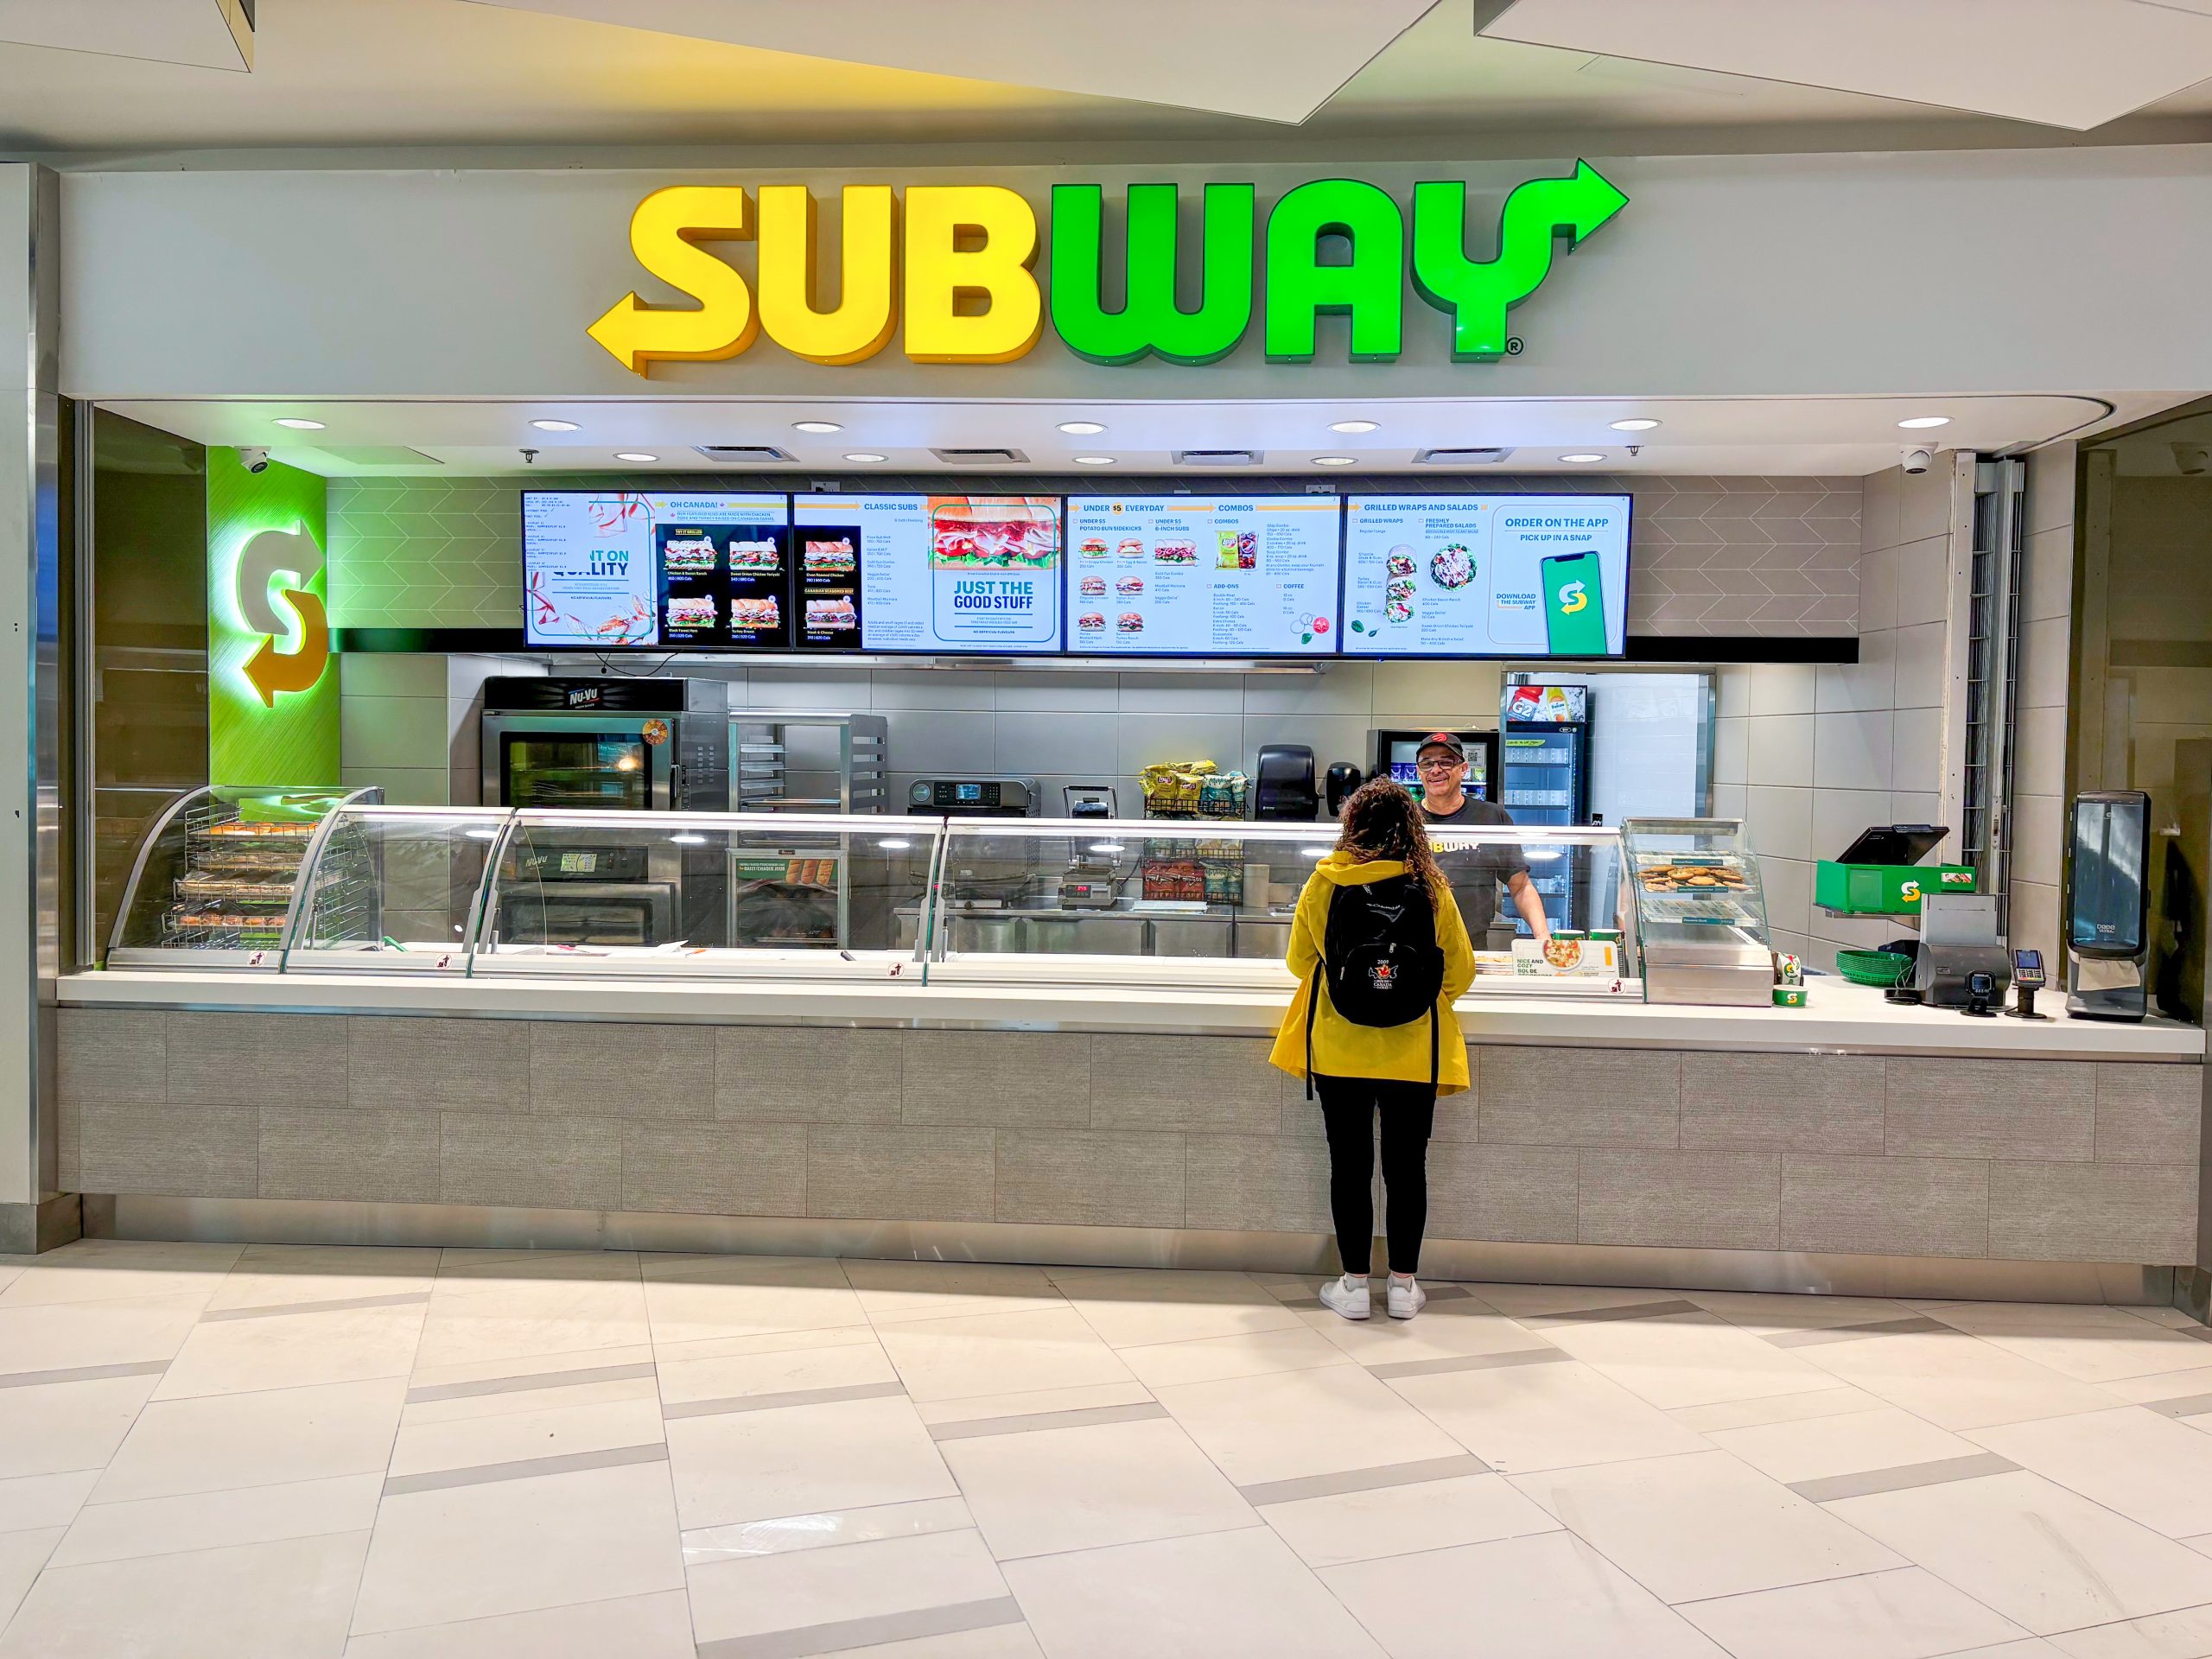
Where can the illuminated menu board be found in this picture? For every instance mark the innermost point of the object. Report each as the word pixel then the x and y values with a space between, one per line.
pixel 1184 576
pixel 681 571
pixel 936 573
pixel 1499 575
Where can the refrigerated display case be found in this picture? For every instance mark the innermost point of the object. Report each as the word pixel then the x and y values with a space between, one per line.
pixel 1079 904
pixel 217 879
pixel 1699 910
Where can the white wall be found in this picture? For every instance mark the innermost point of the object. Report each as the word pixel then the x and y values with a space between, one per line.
pixel 1947 272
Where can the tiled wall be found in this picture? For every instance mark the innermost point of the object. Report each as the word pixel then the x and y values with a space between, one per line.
pixel 2024 1161
pixel 1811 755
pixel 1721 555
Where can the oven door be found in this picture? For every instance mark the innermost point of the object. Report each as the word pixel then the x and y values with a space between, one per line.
pixel 599 761
pixel 633 914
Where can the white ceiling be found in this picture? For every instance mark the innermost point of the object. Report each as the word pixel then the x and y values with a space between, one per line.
pixel 202 33
pixel 2066 63
pixel 1799 437
pixel 455 75
pixel 1289 56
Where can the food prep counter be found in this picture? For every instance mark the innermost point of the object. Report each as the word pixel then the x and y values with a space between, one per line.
pixel 1023 1094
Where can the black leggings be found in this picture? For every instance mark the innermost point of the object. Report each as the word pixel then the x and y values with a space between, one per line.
pixel 1348 1108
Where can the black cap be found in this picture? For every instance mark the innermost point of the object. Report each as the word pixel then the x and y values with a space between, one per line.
pixel 1441 739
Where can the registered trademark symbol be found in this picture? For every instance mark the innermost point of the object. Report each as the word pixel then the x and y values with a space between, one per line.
pixel 1513 345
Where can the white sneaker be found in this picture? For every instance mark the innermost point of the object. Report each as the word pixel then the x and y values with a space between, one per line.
pixel 1347 1296
pixel 1407 1297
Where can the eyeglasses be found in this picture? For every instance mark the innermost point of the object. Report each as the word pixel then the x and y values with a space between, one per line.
pixel 1442 762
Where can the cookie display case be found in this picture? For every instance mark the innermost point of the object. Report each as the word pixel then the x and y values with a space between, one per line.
pixel 1698 908
pixel 221 878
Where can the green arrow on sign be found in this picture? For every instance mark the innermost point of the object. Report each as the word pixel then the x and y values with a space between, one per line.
pixel 1479 292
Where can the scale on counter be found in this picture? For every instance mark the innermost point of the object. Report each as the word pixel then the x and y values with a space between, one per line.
pixel 1090 882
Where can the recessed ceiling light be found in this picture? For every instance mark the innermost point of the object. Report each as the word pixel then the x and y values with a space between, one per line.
pixel 1579 458
pixel 555 426
pixel 1641 423
pixel 1353 426
pixel 816 426
pixel 299 425
pixel 866 455
pixel 1335 460
pixel 1094 461
pixel 633 455
pixel 1080 429
pixel 1919 422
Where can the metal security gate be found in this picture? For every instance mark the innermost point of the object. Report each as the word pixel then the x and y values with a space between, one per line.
pixel 1992 671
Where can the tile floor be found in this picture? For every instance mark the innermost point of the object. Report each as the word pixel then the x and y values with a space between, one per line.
pixel 396 1454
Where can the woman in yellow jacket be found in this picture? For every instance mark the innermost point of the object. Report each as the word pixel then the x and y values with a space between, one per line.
pixel 1359 1068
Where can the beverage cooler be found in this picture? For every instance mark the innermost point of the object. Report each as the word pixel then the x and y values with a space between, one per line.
pixel 1544 754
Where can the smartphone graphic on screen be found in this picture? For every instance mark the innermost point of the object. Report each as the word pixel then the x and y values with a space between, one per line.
pixel 1574 605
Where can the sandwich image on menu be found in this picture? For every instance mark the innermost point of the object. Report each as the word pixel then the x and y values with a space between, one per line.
pixel 830 586
pixel 994 569
pixel 687 560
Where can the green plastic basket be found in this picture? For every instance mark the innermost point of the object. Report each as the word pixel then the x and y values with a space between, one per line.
pixel 1881 968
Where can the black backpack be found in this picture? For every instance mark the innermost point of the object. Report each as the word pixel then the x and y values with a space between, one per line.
pixel 1380 962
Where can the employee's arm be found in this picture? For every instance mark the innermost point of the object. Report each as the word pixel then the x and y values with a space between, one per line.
pixel 1458 950
pixel 1530 904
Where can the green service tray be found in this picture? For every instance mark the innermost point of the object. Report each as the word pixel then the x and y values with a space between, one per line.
pixel 1881 968
pixel 1884 889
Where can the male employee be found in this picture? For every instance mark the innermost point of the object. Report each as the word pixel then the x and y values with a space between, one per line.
pixel 1473 868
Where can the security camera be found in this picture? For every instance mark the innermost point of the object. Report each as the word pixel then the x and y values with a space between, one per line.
pixel 254 461
pixel 1916 459
pixel 530 457
pixel 2192 459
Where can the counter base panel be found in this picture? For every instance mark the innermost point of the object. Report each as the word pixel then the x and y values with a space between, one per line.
pixel 278 1221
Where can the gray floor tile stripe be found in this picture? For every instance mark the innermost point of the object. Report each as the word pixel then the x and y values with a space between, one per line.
pixel 525 1469
pixel 534 1380
pixel 1470 1362
pixel 776 1402
pixel 1853 1333
pixel 82 1374
pixel 848 1633
pixel 1622 1310
pixel 1362 1480
pixel 1903 1478
pixel 980 1426
pixel 2186 1405
pixel 402 1300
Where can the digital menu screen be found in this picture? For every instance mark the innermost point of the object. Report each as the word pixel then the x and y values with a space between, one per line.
pixel 937 573
pixel 1496 576
pixel 691 571
pixel 1189 576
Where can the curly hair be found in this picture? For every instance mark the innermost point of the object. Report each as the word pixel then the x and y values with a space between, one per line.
pixel 1382 820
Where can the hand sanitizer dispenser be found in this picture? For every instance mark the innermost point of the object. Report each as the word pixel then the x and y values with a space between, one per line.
pixel 2107 932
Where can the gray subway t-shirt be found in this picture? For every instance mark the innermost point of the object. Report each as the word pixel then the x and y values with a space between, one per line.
pixel 1474 868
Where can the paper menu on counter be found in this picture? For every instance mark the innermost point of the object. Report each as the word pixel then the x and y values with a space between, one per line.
pixel 1190 576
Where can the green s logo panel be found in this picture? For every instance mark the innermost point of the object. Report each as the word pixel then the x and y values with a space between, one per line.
pixel 1574 605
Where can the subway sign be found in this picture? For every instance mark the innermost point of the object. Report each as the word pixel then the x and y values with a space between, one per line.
pixel 953 263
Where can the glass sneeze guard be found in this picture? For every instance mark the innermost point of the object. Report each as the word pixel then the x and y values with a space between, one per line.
pixel 220 877
pixel 1176 904
pixel 1072 903
pixel 782 895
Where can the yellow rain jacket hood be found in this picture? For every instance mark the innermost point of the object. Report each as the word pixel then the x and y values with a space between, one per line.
pixel 1342 1049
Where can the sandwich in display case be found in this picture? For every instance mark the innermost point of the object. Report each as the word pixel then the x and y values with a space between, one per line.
pixel 1073 903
